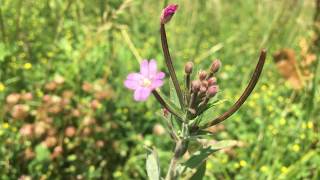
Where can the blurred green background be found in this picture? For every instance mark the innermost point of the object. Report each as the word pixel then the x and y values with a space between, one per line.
pixel 65 113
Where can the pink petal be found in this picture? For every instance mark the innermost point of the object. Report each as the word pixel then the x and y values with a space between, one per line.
pixel 144 68
pixel 134 76
pixel 157 83
pixel 160 75
pixel 152 68
pixel 141 94
pixel 131 84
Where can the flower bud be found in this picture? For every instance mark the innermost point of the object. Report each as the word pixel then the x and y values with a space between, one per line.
pixel 205 83
pixel 215 66
pixel 212 91
pixel 212 81
pixel 203 90
pixel 188 67
pixel 168 12
pixel 195 86
pixel 202 75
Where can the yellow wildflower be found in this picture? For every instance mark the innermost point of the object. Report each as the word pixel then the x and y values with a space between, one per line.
pixel 310 125
pixel 264 169
pixel 284 169
pixel 2 87
pixel 282 121
pixel 209 165
pixel 5 125
pixel 296 148
pixel 243 163
pixel 117 174
pixel 27 66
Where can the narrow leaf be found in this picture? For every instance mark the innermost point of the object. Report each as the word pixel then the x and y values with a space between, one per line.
pixel 200 172
pixel 173 95
pixel 202 155
pixel 153 167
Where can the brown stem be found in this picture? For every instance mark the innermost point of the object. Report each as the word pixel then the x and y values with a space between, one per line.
pixel 245 94
pixel 168 60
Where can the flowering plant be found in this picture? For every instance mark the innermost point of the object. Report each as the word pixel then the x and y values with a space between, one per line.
pixel 184 110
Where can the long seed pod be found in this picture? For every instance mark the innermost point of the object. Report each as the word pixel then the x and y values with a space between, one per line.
pixel 245 94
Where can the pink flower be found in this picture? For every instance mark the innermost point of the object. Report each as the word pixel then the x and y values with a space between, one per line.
pixel 146 81
pixel 168 12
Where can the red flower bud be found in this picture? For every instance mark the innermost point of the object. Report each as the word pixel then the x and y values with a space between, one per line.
pixel 202 75
pixel 188 67
pixel 212 91
pixel 215 66
pixel 168 12
pixel 195 86
pixel 212 81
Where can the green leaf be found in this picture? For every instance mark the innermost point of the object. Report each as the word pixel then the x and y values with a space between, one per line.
pixel 173 94
pixel 42 153
pixel 202 155
pixel 3 52
pixel 153 167
pixel 172 106
pixel 200 172
pixel 209 114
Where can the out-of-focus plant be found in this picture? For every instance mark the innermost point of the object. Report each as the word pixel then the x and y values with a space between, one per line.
pixel 186 110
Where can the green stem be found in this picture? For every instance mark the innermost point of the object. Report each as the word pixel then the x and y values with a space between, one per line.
pixel 180 150
pixel 2 27
pixel 168 60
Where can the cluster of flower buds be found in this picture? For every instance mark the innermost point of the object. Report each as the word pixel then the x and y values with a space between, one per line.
pixel 202 89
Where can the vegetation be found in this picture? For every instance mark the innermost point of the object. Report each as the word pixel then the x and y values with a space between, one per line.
pixel 65 113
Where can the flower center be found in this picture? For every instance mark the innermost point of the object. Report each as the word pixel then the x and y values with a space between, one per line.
pixel 146 82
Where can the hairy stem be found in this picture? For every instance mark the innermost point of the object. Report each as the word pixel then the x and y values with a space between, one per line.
pixel 245 94
pixel 180 149
pixel 168 60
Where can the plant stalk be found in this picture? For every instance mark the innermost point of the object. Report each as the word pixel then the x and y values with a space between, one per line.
pixel 169 64
pixel 180 149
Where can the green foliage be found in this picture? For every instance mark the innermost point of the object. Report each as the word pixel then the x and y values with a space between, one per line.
pixel 81 123
pixel 153 167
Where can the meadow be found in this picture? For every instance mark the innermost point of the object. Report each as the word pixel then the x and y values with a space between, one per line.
pixel 65 113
